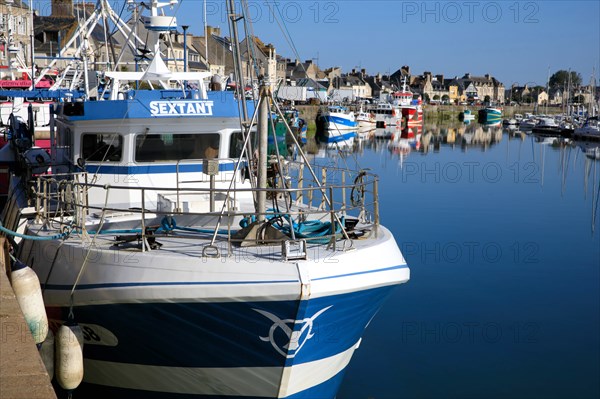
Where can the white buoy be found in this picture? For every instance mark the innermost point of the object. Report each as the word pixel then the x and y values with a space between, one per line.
pixel 69 356
pixel 47 353
pixel 26 286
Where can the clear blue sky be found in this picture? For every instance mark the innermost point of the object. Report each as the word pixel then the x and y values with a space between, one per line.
pixel 515 41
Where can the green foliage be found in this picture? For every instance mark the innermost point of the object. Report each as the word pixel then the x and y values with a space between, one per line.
pixel 561 79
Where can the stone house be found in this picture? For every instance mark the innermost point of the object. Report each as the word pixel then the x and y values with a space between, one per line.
pixel 15 34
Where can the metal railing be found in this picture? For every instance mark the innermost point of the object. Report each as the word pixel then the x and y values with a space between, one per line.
pixel 340 199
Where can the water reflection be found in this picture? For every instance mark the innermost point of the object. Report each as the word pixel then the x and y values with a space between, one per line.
pixel 436 137
pixel 529 157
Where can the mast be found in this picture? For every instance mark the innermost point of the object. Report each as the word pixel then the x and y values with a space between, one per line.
pixel 547 90
pixel 205 34
pixel 263 132
pixel 31 34
pixel 237 58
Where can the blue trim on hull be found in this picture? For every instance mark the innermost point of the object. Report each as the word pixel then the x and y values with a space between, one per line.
pixel 339 137
pixel 228 334
pixel 153 169
pixel 341 121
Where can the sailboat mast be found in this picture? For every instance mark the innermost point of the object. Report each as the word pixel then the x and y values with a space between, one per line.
pixel 547 90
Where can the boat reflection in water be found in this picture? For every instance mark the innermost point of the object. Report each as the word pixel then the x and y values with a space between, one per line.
pixel 408 139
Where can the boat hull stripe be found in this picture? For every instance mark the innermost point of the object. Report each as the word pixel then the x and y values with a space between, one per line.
pixel 228 381
pixel 153 169
pixel 62 287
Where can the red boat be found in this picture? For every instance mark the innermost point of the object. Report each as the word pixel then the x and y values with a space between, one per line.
pixel 412 110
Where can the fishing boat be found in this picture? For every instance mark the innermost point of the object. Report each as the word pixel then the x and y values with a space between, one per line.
pixel 411 108
pixel 195 263
pixel 336 126
pixel 386 115
pixel 366 121
pixel 466 116
pixel 490 114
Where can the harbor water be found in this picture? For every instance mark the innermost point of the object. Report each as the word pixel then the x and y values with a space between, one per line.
pixel 501 233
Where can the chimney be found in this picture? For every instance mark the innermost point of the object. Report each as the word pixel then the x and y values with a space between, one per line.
pixel 487 76
pixel 62 8
pixel 213 30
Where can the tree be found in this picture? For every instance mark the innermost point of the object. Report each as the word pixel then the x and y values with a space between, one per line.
pixel 436 97
pixel 486 99
pixel 445 97
pixel 561 79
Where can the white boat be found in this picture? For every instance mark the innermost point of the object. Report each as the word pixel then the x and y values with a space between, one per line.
pixel 589 131
pixel 466 115
pixel 593 152
pixel 528 124
pixel 196 264
pixel 336 126
pixel 386 115
pixel 19 108
pixel 366 121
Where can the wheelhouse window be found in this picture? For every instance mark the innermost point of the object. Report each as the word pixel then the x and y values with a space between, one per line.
pixel 175 147
pixel 236 143
pixel 102 147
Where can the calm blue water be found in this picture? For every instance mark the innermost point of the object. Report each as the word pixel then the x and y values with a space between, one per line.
pixel 503 300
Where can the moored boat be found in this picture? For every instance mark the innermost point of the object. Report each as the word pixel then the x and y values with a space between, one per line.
pixel 336 125
pixel 466 115
pixel 589 131
pixel 366 120
pixel 411 108
pixel 195 264
pixel 386 115
pixel 547 126
pixel 490 115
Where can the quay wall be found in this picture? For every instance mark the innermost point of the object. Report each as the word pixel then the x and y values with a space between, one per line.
pixel 22 372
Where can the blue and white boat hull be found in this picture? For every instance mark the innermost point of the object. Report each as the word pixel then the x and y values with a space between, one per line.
pixel 185 326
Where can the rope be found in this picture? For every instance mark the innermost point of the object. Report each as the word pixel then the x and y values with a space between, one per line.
pixel 34 238
pixel 87 255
